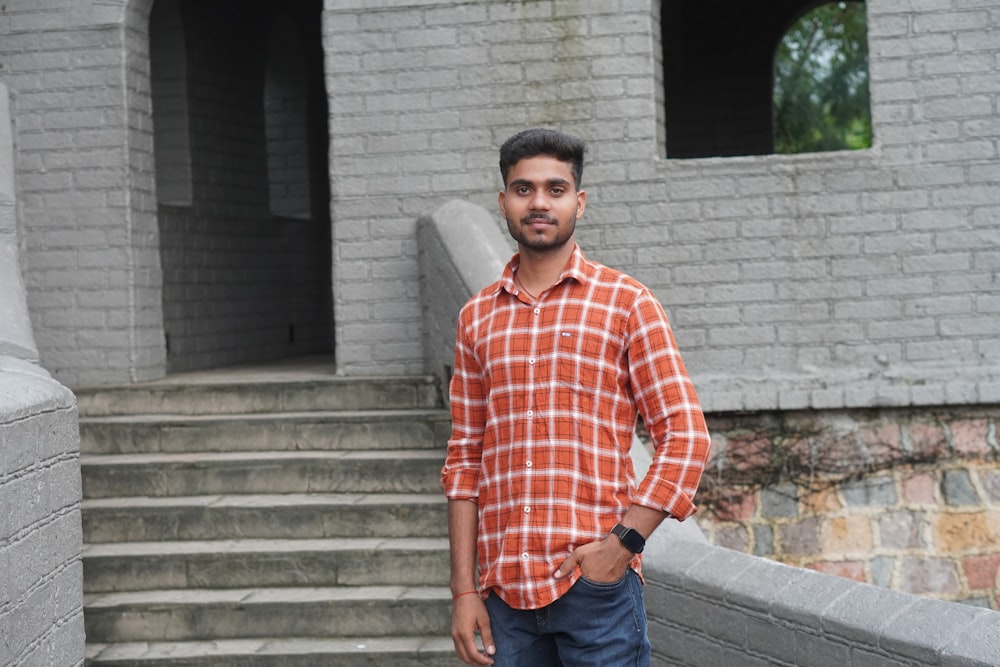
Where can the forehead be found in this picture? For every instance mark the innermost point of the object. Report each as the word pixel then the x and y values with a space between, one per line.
pixel 540 169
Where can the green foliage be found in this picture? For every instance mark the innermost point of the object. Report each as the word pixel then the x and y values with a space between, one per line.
pixel 821 100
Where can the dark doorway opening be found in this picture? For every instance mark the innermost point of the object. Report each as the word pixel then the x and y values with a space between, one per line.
pixel 241 145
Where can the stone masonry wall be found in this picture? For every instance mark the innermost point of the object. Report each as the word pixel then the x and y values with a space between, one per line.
pixel 903 499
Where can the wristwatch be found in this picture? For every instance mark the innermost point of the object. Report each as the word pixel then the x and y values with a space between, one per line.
pixel 630 538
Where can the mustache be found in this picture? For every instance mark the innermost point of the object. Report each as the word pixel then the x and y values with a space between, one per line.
pixel 537 217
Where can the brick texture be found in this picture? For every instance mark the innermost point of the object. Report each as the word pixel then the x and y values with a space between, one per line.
pixel 792 281
pixel 847 279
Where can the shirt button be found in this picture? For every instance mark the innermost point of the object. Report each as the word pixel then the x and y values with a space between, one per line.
pixel 531 413
pixel 524 556
pixel 528 464
pixel 537 310
pixel 531 361
pixel 527 510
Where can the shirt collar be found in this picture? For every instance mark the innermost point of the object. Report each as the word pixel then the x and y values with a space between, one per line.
pixel 577 268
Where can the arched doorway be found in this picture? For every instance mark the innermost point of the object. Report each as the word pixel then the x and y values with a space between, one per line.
pixel 240 139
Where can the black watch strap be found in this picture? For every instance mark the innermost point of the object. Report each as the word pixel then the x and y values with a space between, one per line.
pixel 632 540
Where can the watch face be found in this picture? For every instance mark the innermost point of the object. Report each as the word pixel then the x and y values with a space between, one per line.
pixel 632 540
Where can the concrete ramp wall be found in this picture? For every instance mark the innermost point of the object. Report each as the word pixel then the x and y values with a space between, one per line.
pixel 16 338
pixel 712 606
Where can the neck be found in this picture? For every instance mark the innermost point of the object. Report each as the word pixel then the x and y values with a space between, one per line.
pixel 539 270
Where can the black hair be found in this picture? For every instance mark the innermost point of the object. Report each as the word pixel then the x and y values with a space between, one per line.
pixel 541 141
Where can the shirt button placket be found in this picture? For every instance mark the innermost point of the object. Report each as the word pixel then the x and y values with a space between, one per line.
pixel 524 556
pixel 530 413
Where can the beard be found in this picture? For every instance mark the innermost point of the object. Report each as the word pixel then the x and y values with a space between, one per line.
pixel 529 239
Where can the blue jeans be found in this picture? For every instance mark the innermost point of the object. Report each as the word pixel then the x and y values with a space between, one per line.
pixel 593 625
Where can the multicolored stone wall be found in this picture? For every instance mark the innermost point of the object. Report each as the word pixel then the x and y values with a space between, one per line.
pixel 908 499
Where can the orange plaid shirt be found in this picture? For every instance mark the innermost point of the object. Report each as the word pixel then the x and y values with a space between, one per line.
pixel 544 400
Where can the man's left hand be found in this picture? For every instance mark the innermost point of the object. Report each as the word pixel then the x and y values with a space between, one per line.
pixel 603 562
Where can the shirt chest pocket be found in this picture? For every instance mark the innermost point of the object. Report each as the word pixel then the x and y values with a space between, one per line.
pixel 579 360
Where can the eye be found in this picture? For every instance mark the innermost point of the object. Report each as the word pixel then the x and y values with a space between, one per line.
pixel 522 189
pixel 557 192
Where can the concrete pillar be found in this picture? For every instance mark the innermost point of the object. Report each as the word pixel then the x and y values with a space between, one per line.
pixel 16 337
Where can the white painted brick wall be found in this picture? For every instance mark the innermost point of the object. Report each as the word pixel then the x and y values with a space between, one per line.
pixel 824 277
pixel 793 281
pixel 425 94
pixel 89 244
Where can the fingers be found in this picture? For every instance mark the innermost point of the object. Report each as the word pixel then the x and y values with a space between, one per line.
pixel 469 615
pixel 599 561
pixel 487 634
pixel 566 567
pixel 470 654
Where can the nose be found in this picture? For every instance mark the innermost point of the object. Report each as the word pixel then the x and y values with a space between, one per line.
pixel 539 200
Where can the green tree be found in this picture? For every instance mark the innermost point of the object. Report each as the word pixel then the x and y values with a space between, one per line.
pixel 821 100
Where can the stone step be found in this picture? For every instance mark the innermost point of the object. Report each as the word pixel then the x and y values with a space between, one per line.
pixel 256 563
pixel 283 517
pixel 220 614
pixel 260 394
pixel 319 430
pixel 387 471
pixel 264 516
pixel 279 652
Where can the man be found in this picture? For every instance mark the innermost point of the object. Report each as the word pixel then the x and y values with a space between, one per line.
pixel 553 363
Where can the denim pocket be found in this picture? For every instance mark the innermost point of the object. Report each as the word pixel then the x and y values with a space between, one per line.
pixel 617 605
pixel 605 586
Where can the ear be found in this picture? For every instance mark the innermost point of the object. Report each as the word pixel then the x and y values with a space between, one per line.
pixel 581 203
pixel 500 203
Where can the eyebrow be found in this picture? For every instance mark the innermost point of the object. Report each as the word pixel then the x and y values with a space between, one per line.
pixel 552 181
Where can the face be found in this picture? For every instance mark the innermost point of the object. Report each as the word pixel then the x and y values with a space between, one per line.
pixel 541 203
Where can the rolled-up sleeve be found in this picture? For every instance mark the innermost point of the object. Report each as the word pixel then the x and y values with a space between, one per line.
pixel 670 409
pixel 462 470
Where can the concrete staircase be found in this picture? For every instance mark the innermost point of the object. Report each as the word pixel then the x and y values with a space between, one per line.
pixel 286 522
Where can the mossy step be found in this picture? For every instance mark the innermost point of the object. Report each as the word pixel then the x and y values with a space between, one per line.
pixel 381 471
pixel 279 652
pixel 264 516
pixel 242 613
pixel 220 393
pixel 319 430
pixel 256 563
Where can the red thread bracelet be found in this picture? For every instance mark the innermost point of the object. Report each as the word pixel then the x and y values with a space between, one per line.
pixel 455 597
